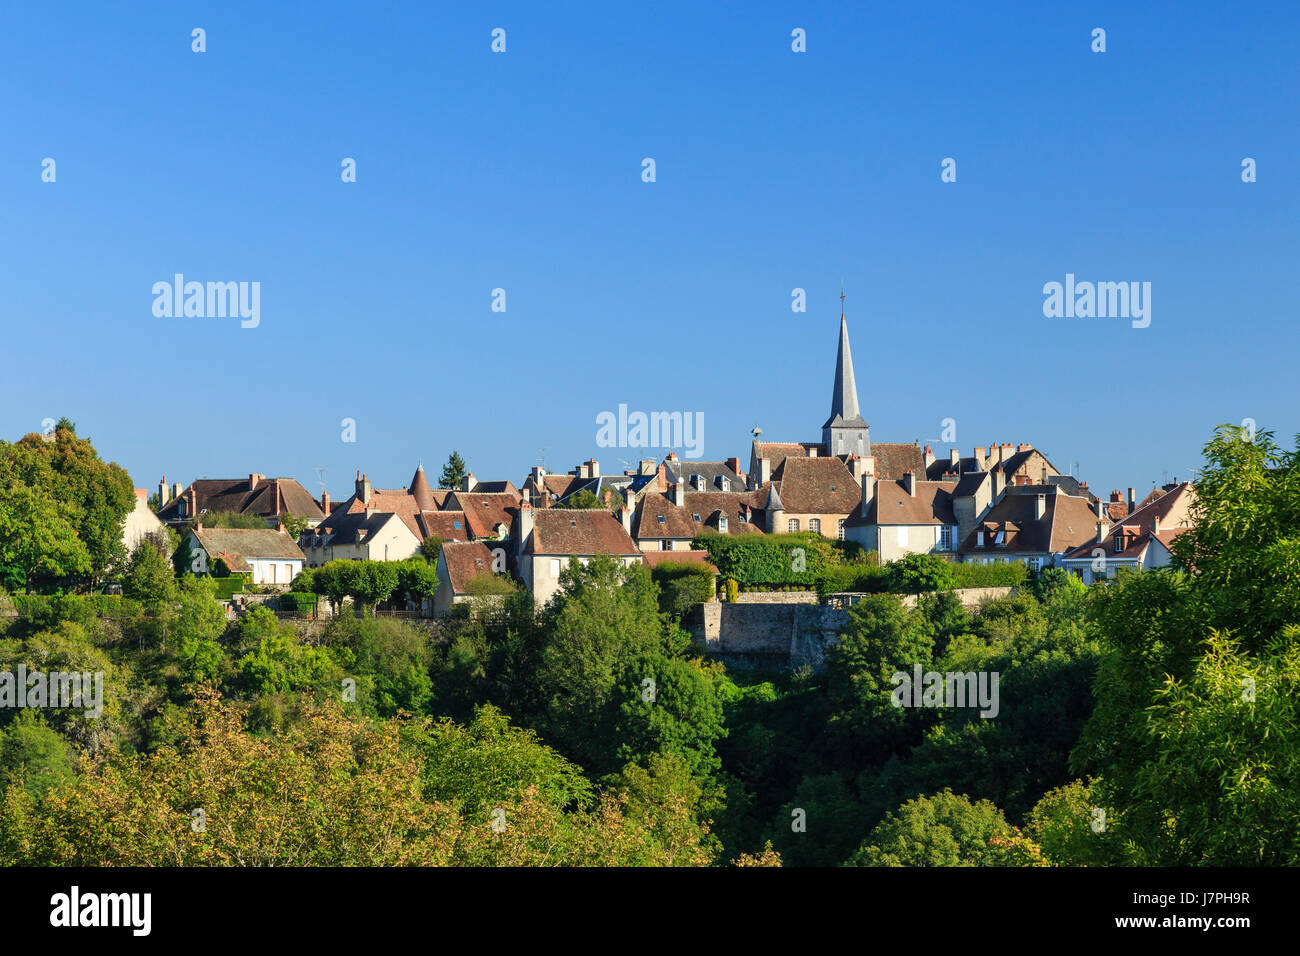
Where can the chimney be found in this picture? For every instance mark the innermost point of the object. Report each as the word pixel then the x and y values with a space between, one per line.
pixel 1101 532
pixel 468 482
pixel 279 501
pixel 764 471
pixel 954 460
pixel 252 482
pixel 979 457
pixel 325 502
pixel 1115 497
pixel 868 488
pixel 734 465
pixel 525 525
pixel 583 471
pixel 595 467
pixel 194 503
pixel 661 480
pixel 928 457
pixel 198 526
pixel 679 494
pixel 1132 499
pixel 164 493
pixel 279 526
pixel 1155 523
pixel 1040 506
pixel 363 488
pixel 176 489
pixel 1024 446
pixel 647 466
pixel 909 483
pixel 1100 509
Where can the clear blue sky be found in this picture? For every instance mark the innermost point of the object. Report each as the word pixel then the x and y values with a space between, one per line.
pixel 775 170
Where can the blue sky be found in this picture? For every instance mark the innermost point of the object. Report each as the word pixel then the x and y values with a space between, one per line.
pixel 522 171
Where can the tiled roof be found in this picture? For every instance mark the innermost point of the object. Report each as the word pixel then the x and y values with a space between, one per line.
pixel 894 460
pixel 1067 522
pixel 931 505
pixel 658 517
pixel 484 512
pixel 447 525
pixel 656 558
pixel 573 531
pixel 465 561
pixel 237 545
pixel 817 486
pixel 676 470
pixel 736 506
pixel 234 495
pixel 1172 509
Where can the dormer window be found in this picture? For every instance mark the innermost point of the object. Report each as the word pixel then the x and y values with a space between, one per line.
pixel 722 523
pixel 1119 543
pixel 724 483
pixel 1000 538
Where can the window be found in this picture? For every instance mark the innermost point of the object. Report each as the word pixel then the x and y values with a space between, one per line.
pixel 555 567
pixel 792 524
pixel 725 484
pixel 839 529
pixel 979 540
pixel 695 517
pixel 815 524
pixel 666 544
pixel 722 523
pixel 1000 538
pixel 662 519
pixel 1119 543
pixel 945 538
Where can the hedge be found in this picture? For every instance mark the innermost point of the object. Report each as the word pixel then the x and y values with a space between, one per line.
pixel 770 560
pixel 298 604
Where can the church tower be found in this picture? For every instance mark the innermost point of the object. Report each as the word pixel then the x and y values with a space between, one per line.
pixel 845 432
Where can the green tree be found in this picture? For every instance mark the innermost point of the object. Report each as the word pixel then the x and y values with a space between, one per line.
pixel 148 577
pixel 33 755
pixel 453 472
pixel 941 830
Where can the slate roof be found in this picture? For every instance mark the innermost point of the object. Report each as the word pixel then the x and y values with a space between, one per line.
pixel 676 470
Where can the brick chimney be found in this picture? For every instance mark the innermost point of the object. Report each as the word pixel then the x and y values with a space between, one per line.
pixel 626 512
pixel 254 481
pixel 279 501
pixel 1024 446
pixel 325 502
pixel 1155 523
pixel 363 488
pixel 928 457
pixel 468 482
pixel 594 466
pixel 1132 499
pixel 764 471
pixel 661 478
pixel 1100 509
pixel 734 465
pixel 909 483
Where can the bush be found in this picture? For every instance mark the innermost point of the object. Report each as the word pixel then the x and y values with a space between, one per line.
pixel 765 561
pixel 298 604
pixel 681 586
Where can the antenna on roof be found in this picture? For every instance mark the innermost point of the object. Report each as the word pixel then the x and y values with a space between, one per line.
pixel 542 459
pixel 757 431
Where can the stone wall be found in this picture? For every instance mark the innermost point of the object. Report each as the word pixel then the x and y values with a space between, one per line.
pixel 780 636
pixel 776 597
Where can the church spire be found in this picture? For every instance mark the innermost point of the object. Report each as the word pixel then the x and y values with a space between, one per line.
pixel 845 432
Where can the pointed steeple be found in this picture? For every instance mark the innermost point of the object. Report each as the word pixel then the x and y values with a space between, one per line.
pixel 845 432
pixel 419 490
